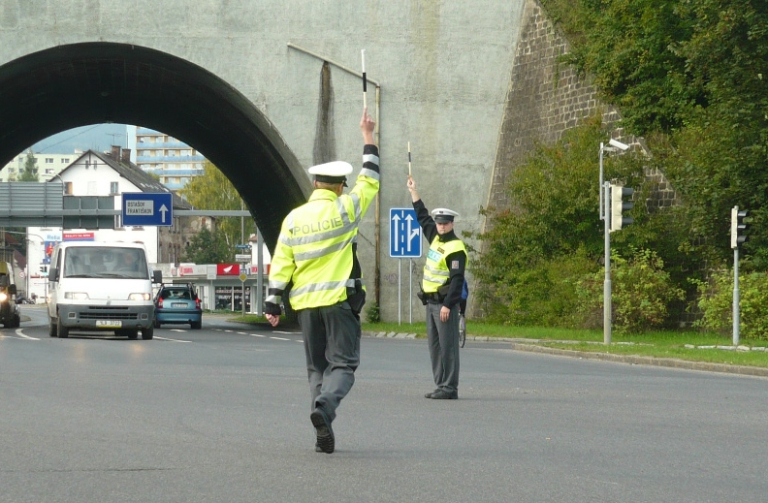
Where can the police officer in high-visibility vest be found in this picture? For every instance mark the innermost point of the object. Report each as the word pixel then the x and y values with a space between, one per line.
pixel 441 293
pixel 317 252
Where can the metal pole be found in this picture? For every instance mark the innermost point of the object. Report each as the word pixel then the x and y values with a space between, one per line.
pixel 736 296
pixel 602 215
pixel 607 282
pixel 260 274
pixel 410 291
pixel 399 287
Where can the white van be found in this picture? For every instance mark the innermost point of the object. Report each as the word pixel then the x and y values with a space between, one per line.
pixel 101 286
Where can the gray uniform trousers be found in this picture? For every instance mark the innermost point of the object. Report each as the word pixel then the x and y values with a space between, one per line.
pixel 332 347
pixel 443 341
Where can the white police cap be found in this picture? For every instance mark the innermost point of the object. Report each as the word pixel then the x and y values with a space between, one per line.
pixel 443 215
pixel 331 172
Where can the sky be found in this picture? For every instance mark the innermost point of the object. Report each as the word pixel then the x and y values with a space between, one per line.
pixel 98 137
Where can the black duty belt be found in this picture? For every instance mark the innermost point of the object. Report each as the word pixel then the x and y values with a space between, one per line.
pixel 433 296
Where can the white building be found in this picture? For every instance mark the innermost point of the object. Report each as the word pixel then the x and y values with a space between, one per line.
pixel 48 166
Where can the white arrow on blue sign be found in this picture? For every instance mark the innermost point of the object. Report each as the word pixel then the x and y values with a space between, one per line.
pixel 404 233
pixel 147 208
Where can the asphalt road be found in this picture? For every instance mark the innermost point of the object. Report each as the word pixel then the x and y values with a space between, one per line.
pixel 222 415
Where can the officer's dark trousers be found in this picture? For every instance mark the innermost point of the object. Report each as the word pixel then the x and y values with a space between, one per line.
pixel 332 346
pixel 443 341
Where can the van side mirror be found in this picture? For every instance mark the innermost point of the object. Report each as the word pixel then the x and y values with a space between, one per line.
pixel 53 274
pixel 157 276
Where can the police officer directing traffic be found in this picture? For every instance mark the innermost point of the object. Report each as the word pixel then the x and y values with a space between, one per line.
pixel 441 292
pixel 317 252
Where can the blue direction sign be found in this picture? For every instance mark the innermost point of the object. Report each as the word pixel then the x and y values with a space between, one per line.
pixel 147 208
pixel 404 233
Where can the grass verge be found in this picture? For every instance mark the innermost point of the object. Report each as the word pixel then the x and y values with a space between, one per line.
pixel 684 345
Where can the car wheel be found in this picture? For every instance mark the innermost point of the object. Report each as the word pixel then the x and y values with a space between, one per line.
pixel 196 325
pixel 52 331
pixel 16 321
pixel 157 324
pixel 61 329
pixel 148 333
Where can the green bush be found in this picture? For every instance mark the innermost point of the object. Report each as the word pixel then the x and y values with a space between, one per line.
pixel 716 304
pixel 641 291
pixel 544 293
pixel 372 314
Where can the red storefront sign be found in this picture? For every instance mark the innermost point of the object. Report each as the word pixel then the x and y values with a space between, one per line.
pixel 227 269
pixel 78 236
pixel 185 270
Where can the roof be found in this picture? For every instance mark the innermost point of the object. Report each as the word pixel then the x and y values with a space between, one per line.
pixel 135 175
pixel 100 244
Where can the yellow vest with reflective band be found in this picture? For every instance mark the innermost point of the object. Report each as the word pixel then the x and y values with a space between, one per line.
pixel 314 248
pixel 436 272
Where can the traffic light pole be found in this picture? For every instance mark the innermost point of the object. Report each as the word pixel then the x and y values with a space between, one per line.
pixel 607 283
pixel 736 296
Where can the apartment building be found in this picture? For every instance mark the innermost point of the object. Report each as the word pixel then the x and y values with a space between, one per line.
pixel 48 166
pixel 175 162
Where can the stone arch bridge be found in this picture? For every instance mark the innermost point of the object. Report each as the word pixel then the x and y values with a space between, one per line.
pixel 266 89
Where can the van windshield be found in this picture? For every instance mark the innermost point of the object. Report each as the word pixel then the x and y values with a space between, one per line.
pixel 105 262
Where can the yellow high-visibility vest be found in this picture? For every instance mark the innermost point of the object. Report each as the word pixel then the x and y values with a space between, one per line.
pixel 436 271
pixel 314 248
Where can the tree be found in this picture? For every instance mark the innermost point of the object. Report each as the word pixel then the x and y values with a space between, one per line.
pixel 207 248
pixel 690 77
pixel 533 252
pixel 30 169
pixel 213 191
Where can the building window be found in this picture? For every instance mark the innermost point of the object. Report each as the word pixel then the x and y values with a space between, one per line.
pixel 49 160
pixel 48 171
pixel 65 160
pixel 113 187
pixel 68 188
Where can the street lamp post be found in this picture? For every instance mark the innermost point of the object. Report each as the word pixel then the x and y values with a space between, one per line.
pixel 613 146
pixel 605 201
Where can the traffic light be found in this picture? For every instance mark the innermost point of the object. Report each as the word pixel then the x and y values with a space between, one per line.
pixel 738 227
pixel 619 206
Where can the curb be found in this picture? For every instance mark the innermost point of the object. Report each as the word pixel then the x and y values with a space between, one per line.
pixel 518 345
pixel 646 360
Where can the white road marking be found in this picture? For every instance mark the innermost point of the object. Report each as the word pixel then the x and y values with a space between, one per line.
pixel 21 334
pixel 172 340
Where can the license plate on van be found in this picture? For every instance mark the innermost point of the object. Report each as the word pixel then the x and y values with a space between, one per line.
pixel 109 323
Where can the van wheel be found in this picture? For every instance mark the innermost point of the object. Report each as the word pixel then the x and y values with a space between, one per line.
pixel 63 331
pixel 16 321
pixel 148 333
pixel 52 332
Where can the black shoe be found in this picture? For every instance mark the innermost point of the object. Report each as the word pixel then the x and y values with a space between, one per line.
pixel 445 395
pixel 429 395
pixel 325 439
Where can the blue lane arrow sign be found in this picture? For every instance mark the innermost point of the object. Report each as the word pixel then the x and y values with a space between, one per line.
pixel 404 233
pixel 147 208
